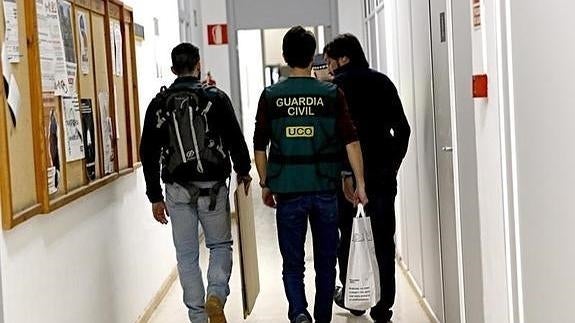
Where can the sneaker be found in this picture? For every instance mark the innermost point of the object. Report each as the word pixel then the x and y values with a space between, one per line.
pixel 215 310
pixel 302 318
pixel 339 301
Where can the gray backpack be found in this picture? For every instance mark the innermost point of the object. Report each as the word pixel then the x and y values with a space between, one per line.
pixel 193 138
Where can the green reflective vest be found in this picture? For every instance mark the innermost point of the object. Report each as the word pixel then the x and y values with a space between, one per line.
pixel 305 153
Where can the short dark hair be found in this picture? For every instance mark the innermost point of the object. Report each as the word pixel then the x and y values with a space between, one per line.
pixel 298 47
pixel 185 58
pixel 347 45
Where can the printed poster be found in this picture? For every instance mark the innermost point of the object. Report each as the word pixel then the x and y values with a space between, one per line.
pixel 52 59
pixel 74 141
pixel 67 37
pixel 52 141
pixel 89 137
pixel 118 49
pixel 83 30
pixel 107 132
pixel 116 40
pixel 45 9
pixel 11 40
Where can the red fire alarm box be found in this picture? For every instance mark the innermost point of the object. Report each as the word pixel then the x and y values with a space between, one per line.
pixel 218 34
pixel 480 86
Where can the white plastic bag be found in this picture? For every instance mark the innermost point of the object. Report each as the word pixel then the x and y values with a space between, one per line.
pixel 362 289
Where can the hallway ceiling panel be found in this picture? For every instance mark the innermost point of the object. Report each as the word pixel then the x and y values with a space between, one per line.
pixel 263 14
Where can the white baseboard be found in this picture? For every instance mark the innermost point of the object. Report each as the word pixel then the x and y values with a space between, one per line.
pixel 422 300
pixel 159 297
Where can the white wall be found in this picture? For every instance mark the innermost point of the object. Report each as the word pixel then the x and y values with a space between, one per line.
pixel 252 79
pixel 423 128
pixel 273 46
pixel 101 258
pixel 489 168
pixel 405 53
pixel 215 58
pixel 350 18
pixel 542 132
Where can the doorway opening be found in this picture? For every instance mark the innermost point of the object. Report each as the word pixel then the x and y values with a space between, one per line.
pixel 261 64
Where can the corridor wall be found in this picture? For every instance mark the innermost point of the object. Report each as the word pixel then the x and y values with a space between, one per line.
pixel 404 53
pixel 539 126
pixel 488 125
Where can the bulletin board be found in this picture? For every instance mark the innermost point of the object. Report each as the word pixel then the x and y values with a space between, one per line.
pixel 20 197
pixel 76 64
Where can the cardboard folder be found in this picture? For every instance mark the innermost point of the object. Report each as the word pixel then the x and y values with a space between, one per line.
pixel 247 248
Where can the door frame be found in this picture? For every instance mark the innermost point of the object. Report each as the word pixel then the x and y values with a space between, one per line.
pixel 330 31
pixel 459 33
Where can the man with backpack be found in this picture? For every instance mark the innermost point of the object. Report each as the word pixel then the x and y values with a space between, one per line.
pixel 307 123
pixel 190 133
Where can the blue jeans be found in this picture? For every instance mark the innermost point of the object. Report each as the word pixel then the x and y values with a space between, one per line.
pixel 292 217
pixel 216 225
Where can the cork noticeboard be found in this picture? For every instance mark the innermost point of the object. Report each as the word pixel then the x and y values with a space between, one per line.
pixel 77 122
pixel 21 136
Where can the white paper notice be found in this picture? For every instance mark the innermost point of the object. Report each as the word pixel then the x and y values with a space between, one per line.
pixel 73 129
pixel 65 54
pixel 107 133
pixel 52 181
pixel 83 30
pixel 11 26
pixel 47 58
pixel 113 46
pixel 118 49
pixel 14 96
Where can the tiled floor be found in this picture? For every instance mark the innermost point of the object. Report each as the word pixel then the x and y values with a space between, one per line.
pixel 271 305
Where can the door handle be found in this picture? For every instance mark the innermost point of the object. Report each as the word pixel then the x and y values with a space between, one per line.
pixel 447 148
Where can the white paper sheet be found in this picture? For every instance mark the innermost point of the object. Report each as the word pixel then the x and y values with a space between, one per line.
pixel 73 129
pixel 47 55
pixel 52 173
pixel 83 32
pixel 118 49
pixel 65 51
pixel 107 133
pixel 12 39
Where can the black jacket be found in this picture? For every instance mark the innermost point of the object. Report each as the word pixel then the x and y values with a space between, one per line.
pixel 376 109
pixel 155 139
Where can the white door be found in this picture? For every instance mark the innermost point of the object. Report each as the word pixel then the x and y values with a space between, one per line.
pixel 443 132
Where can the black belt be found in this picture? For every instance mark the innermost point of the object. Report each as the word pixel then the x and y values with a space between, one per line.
pixel 212 192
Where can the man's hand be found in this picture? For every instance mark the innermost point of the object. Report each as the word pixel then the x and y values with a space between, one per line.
pixel 160 212
pixel 360 196
pixel 246 179
pixel 268 197
pixel 347 187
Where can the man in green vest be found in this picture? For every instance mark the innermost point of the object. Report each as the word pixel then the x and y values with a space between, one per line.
pixel 306 124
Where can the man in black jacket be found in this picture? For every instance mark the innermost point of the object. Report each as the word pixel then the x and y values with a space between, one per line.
pixel 190 132
pixel 384 132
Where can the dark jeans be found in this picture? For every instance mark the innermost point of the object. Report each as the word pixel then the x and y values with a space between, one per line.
pixel 292 218
pixel 381 210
